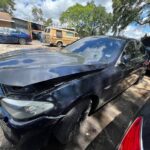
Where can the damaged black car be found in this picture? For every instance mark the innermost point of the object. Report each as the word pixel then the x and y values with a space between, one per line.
pixel 49 93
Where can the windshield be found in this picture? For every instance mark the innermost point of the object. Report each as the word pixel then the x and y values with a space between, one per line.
pixel 94 49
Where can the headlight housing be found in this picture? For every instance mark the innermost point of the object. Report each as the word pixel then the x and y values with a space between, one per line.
pixel 21 109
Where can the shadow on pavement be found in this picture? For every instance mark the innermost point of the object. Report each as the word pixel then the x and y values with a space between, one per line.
pixel 104 129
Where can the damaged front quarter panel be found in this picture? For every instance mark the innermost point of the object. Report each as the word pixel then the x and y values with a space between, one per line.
pixel 61 95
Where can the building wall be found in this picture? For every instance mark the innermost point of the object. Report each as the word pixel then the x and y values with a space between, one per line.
pixel 20 24
pixel 5 24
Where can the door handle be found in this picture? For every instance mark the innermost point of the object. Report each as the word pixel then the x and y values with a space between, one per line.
pixel 107 87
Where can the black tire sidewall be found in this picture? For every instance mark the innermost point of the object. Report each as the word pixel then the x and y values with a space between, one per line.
pixel 70 122
pixel 22 41
pixel 59 44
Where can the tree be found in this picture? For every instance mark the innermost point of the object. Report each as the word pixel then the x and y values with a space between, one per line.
pixel 127 11
pixel 37 14
pixel 48 22
pixel 87 20
pixel 7 6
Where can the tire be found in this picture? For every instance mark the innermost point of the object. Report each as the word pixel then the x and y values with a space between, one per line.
pixel 59 44
pixel 9 134
pixel 33 141
pixel 68 126
pixel 22 41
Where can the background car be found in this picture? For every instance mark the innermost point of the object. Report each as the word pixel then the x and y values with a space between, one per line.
pixel 137 135
pixel 10 35
pixel 60 37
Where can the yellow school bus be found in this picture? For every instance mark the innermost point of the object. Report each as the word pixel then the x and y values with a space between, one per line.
pixel 60 37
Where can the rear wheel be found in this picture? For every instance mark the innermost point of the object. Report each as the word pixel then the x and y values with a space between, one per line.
pixel 59 44
pixel 68 126
pixel 22 41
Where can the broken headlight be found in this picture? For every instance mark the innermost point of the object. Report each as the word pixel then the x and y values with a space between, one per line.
pixel 21 109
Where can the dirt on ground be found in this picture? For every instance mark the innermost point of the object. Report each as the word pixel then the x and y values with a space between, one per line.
pixel 33 45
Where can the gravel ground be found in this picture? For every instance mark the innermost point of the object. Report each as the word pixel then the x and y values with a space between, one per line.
pixel 92 134
pixel 33 45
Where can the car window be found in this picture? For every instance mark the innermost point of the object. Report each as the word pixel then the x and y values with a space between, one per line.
pixel 58 33
pixel 140 53
pixel 14 31
pixel 2 31
pixel 133 53
pixel 104 50
pixel 71 34
pixel 130 50
pixel 47 30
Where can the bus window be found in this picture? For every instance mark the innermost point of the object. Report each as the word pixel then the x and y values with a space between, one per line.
pixel 48 30
pixel 71 34
pixel 58 33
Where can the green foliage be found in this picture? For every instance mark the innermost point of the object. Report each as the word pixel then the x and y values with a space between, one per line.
pixel 48 22
pixel 7 5
pixel 87 20
pixel 125 12
pixel 37 14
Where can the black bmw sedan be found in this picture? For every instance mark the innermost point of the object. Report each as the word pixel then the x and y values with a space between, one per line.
pixel 45 92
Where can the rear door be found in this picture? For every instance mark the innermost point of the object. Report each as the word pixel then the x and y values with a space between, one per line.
pixel 57 36
pixel 140 57
pixel 129 66
pixel 69 37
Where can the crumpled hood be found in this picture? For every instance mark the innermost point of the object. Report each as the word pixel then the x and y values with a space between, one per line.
pixel 25 67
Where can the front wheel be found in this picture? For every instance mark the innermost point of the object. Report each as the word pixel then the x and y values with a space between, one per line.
pixel 23 142
pixel 22 41
pixel 68 126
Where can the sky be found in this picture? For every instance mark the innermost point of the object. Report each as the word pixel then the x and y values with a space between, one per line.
pixel 53 8
pixel 136 31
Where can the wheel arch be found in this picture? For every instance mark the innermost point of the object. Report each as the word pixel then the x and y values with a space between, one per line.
pixel 93 97
pixel 59 41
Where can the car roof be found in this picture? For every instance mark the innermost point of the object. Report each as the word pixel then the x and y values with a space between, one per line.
pixel 66 30
pixel 123 38
pixel 126 39
pixel 115 37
